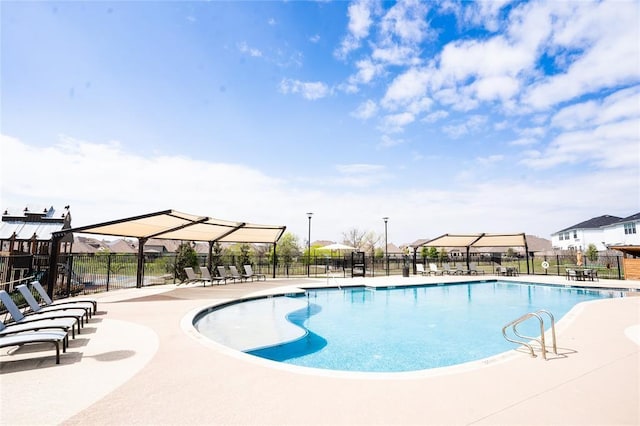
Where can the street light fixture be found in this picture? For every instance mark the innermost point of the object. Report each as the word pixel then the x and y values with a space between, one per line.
pixel 309 247
pixel 386 255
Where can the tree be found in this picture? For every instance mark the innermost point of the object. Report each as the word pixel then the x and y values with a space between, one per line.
pixel 433 253
pixel 354 238
pixel 443 254
pixel 245 255
pixel 286 249
pixel 186 257
pixel 371 240
pixel 592 252
pixel 216 255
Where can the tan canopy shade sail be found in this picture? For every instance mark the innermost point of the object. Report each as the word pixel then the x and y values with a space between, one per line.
pixel 478 240
pixel 174 225
pixel 171 225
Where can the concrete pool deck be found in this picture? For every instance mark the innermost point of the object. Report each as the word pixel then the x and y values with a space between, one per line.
pixel 139 361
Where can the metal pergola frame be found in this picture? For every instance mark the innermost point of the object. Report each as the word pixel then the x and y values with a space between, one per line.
pixel 171 225
pixel 478 240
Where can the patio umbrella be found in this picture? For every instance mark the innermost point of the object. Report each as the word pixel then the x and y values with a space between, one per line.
pixel 336 246
pixel 579 258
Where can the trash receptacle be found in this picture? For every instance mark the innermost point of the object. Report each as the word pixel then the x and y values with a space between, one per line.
pixel 405 271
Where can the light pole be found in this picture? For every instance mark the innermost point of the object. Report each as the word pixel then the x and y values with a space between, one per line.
pixel 309 247
pixel 386 255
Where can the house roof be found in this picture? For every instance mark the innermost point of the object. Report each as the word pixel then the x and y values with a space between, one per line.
pixel 594 223
pixel 32 225
pixel 631 218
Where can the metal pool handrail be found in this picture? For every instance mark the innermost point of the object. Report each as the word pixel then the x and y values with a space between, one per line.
pixel 513 324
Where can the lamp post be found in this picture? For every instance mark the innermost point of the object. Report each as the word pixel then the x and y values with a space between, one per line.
pixel 309 247
pixel 386 255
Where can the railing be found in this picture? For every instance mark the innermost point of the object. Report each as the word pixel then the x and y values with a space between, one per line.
pixel 543 347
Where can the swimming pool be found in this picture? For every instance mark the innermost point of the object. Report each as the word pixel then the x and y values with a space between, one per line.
pixel 389 329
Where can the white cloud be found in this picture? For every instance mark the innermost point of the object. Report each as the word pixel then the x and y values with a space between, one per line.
pixel 435 116
pixel 360 21
pixel 406 87
pixel 308 90
pixel 607 33
pixel 609 146
pixel 104 182
pixel 365 110
pixel 473 124
pixel 495 158
pixel 394 123
pixel 387 142
pixel 244 48
pixel 406 20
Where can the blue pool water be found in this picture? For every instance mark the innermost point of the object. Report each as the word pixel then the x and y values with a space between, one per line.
pixel 388 330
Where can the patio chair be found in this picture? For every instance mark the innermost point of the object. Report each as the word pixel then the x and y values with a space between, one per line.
pixel 449 271
pixel 433 269
pixel 47 300
pixel 47 318
pixel 50 336
pixel 250 274
pixel 192 277
pixel 591 274
pixel 6 330
pixel 222 271
pixel 206 275
pixel 420 269
pixel 473 269
pixel 81 313
pixel 571 274
pixel 236 275
pixel 501 270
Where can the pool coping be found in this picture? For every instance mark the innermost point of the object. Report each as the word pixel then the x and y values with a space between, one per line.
pixel 595 381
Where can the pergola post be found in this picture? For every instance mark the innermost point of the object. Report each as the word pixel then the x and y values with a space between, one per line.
pixel 140 272
pixel 53 263
pixel 274 260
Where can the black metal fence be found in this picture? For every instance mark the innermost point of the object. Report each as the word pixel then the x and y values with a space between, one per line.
pixel 92 273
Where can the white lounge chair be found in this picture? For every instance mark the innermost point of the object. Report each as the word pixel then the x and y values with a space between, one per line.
pixel 433 269
pixel 26 338
pixel 420 269
pixel 81 313
pixel 473 269
pixel 449 271
pixel 47 318
pixel 47 300
pixel 250 274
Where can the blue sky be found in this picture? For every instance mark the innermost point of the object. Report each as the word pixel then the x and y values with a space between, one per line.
pixel 448 117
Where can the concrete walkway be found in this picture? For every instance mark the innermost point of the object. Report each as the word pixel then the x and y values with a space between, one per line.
pixel 139 361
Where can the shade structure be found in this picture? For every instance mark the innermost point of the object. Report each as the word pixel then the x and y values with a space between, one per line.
pixel 171 225
pixel 478 240
pixel 174 225
pixel 481 240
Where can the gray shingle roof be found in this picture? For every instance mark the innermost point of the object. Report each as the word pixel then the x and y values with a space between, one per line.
pixel 596 222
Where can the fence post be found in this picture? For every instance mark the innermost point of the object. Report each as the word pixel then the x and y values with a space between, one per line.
pixel 109 269
pixel 558 263
pixel 619 272
pixel 69 275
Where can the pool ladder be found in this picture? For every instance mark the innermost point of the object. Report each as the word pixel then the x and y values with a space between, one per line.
pixel 528 339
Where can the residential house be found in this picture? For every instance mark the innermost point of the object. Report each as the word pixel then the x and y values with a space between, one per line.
pixel 602 231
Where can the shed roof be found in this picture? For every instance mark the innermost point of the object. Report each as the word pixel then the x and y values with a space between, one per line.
pixel 174 225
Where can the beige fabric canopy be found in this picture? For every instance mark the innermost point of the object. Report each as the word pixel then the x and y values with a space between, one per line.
pixel 478 240
pixel 174 225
